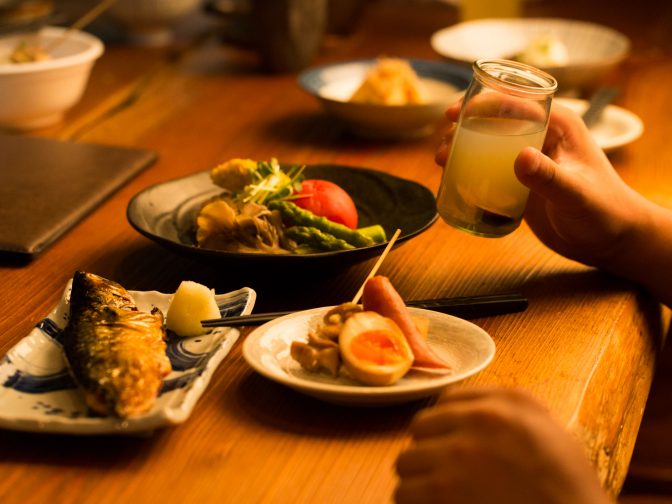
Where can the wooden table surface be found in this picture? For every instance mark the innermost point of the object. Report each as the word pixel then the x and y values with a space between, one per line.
pixel 586 346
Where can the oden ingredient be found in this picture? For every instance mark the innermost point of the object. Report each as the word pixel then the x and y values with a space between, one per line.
pixel 321 352
pixel 374 350
pixel 191 303
pixel 375 344
pixel 116 353
pixel 380 296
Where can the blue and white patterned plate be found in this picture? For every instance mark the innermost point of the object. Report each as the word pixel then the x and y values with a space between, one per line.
pixel 38 394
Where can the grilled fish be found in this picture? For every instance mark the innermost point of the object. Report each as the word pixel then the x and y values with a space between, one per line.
pixel 116 353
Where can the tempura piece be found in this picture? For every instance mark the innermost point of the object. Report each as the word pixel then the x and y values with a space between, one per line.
pixel 391 82
pixel 233 175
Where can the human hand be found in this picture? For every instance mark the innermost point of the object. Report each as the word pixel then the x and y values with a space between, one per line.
pixel 493 445
pixel 578 205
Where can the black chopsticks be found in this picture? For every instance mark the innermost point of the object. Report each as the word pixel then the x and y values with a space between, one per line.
pixel 468 307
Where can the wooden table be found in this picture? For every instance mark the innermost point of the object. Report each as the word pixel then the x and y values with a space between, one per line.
pixel 586 346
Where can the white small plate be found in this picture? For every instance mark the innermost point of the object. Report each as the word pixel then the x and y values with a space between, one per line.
pixel 615 128
pixel 466 347
pixel 38 394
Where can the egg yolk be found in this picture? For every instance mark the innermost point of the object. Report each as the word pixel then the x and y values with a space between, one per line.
pixel 376 347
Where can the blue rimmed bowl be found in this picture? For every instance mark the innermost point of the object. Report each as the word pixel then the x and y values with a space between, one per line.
pixel 334 84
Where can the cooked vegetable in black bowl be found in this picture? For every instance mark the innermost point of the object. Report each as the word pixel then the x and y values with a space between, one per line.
pixel 267 214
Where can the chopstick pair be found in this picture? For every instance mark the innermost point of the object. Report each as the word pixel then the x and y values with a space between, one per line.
pixel 469 307
pixel 465 307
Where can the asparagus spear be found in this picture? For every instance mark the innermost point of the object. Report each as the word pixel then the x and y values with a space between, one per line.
pixel 300 217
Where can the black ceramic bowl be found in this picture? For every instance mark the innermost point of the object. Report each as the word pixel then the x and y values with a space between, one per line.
pixel 165 213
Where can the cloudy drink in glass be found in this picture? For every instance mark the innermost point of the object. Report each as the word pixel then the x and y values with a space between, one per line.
pixel 479 191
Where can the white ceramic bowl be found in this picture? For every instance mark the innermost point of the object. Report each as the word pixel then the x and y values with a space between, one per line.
pixel 593 50
pixel 333 85
pixel 37 94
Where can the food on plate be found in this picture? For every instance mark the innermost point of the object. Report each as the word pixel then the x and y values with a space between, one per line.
pixel 27 53
pixel 321 352
pixel 238 226
pixel 373 349
pixel 116 353
pixel 265 209
pixel 391 81
pixel 380 296
pixel 545 51
pixel 191 303
pixel 375 343
pixel 237 173
pixel 328 200
pixel 363 237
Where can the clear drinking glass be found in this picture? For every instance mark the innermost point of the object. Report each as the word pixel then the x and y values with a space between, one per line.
pixel 505 109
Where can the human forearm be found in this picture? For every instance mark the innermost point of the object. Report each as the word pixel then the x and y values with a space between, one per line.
pixel 645 255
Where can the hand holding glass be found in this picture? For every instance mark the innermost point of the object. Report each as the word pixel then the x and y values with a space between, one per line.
pixel 505 109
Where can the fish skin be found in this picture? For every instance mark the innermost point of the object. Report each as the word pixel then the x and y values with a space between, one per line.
pixel 116 353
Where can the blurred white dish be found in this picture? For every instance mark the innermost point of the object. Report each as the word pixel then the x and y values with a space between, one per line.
pixel 37 94
pixel 333 85
pixel 616 126
pixel 463 345
pixel 151 22
pixel 38 394
pixel 592 49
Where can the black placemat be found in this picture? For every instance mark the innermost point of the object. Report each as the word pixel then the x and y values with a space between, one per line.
pixel 47 186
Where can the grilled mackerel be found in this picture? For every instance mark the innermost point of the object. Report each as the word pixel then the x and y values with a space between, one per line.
pixel 116 353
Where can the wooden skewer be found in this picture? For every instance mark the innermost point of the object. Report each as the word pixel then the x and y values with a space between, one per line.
pixel 374 270
pixel 89 16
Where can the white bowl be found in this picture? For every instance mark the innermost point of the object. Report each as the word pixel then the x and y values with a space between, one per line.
pixel 333 85
pixel 593 50
pixel 37 94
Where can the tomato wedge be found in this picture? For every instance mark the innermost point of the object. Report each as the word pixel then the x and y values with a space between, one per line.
pixel 326 199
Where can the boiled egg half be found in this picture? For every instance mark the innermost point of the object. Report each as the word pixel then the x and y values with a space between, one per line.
pixel 373 349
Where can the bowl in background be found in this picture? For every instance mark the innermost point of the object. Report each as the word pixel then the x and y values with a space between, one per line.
pixel 592 50
pixel 151 22
pixel 334 84
pixel 37 94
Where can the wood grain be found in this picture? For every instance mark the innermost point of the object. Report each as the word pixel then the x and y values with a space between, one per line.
pixel 586 346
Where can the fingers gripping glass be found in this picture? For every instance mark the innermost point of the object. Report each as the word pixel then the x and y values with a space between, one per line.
pixel 505 109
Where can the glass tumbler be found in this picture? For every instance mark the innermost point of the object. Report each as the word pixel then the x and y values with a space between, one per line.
pixel 505 109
